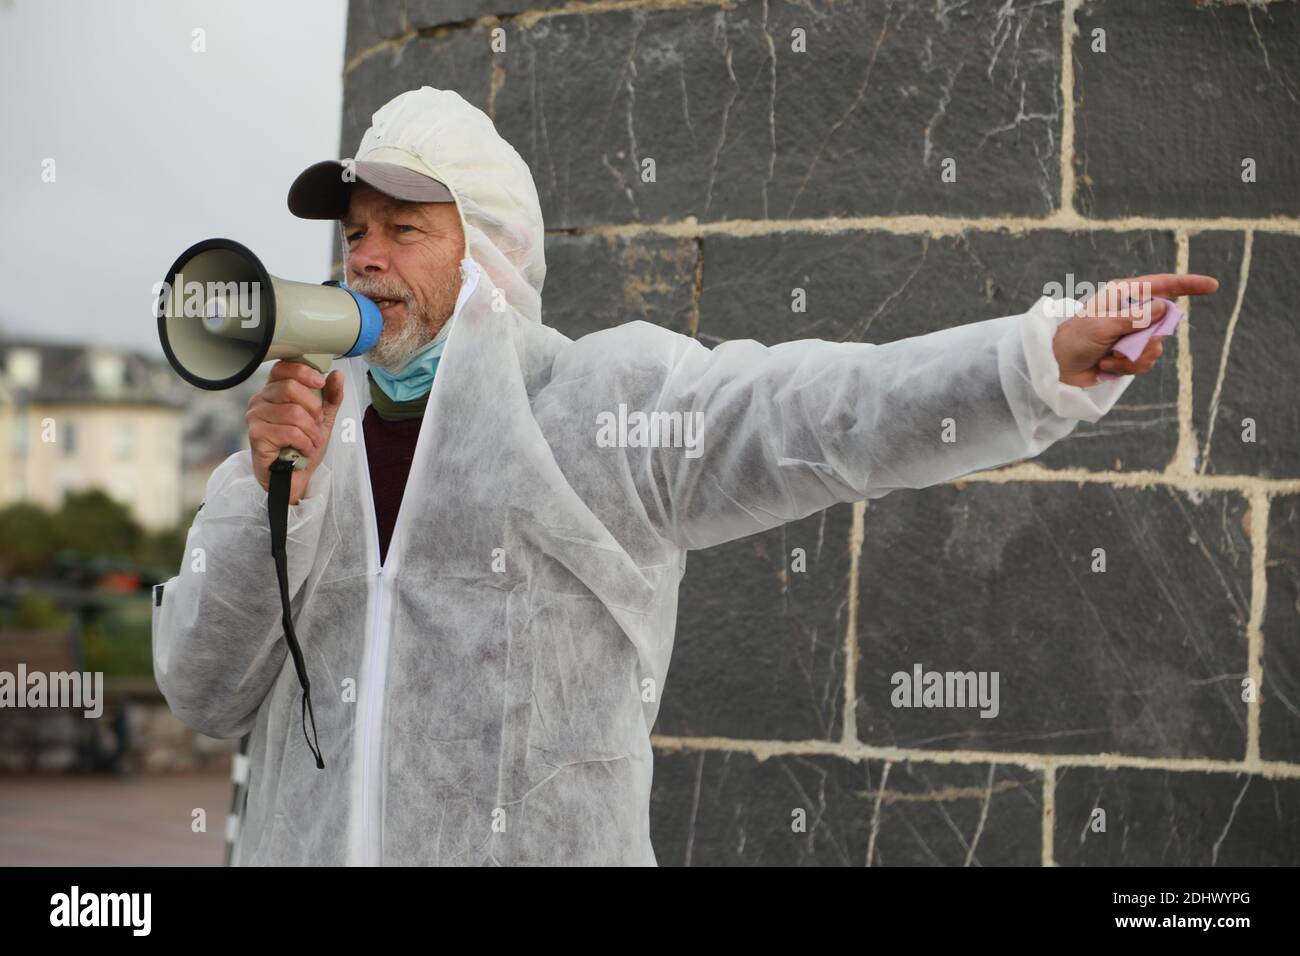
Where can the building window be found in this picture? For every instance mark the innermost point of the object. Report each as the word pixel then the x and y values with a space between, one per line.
pixel 125 440
pixel 18 436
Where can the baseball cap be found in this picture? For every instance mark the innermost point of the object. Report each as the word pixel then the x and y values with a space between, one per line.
pixel 321 190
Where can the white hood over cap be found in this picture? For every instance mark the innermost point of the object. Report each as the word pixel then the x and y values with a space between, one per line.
pixel 486 695
pixel 438 133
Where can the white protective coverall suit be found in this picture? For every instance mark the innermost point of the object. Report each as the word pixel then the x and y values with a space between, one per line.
pixel 500 654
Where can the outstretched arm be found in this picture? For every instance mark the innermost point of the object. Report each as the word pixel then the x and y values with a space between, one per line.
pixel 787 430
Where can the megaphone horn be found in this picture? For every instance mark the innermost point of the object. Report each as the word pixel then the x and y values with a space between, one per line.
pixel 221 315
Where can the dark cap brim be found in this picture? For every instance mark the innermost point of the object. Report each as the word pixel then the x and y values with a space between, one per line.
pixel 321 192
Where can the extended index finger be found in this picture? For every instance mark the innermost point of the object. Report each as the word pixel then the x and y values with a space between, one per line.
pixel 1171 285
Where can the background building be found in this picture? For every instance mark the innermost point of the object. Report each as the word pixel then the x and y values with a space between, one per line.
pixel 79 417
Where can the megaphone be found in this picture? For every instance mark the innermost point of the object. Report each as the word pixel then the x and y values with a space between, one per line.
pixel 221 315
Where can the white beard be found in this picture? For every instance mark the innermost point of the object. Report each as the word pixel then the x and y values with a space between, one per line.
pixel 395 348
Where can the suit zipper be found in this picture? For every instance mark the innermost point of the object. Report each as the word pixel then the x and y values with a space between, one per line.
pixel 376 675
pixel 377 657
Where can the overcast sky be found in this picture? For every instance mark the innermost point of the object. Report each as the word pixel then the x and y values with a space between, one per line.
pixel 155 147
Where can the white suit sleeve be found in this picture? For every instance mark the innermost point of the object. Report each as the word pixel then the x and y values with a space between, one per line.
pixel 791 429
pixel 218 640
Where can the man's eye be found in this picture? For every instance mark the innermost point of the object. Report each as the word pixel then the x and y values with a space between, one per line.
pixel 352 237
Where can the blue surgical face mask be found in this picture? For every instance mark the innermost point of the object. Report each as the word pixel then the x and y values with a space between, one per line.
pixel 415 377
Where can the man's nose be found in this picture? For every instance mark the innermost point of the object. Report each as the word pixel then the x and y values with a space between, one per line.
pixel 370 255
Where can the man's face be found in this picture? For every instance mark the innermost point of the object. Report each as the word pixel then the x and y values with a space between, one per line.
pixel 406 257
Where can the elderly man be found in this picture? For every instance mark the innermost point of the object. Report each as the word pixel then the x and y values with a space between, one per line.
pixel 483 571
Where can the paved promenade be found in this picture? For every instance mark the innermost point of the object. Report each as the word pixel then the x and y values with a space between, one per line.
pixel 103 821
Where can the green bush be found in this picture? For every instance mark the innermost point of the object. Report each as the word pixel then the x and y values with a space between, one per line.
pixel 37 612
pixel 118 640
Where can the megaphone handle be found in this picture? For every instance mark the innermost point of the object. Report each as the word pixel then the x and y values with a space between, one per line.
pixel 321 362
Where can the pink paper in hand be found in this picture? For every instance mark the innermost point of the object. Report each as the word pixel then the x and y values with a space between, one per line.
pixel 1132 345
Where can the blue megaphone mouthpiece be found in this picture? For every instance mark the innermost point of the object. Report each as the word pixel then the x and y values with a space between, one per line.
pixel 372 322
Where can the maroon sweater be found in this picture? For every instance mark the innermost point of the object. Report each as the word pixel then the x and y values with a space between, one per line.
pixel 390 449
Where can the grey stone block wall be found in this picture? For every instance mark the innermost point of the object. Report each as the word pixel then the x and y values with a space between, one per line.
pixel 1091 138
